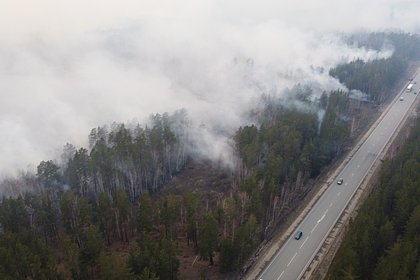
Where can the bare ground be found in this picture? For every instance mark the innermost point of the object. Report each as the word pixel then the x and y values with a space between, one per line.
pixel 211 184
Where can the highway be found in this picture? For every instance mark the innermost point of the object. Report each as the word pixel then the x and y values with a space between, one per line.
pixel 293 258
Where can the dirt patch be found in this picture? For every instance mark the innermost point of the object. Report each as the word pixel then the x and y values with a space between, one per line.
pixel 208 181
pixel 212 184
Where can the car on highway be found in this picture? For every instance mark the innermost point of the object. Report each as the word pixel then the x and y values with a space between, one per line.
pixel 401 98
pixel 340 181
pixel 298 235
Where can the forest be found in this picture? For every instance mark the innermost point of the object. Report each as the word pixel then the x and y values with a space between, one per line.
pixel 289 147
pixel 109 194
pixel 383 240
pixel 372 77
pixel 376 76
pixel 100 211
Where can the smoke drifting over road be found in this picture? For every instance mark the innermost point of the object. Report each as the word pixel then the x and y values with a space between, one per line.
pixel 68 67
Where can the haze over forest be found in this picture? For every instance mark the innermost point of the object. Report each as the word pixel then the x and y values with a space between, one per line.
pixel 67 67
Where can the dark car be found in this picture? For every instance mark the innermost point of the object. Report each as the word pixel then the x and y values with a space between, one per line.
pixel 340 181
pixel 298 235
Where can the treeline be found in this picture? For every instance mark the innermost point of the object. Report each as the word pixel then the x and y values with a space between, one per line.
pixel 377 76
pixel 138 159
pixel 383 241
pixel 62 222
pixel 372 77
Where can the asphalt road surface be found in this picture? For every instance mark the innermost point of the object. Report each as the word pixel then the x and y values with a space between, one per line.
pixel 294 257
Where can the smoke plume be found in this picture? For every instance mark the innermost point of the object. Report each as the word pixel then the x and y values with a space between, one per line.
pixel 66 67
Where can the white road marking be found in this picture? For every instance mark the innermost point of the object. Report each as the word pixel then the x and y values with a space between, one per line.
pixel 323 216
pixel 314 227
pixel 281 274
pixel 292 259
pixel 304 242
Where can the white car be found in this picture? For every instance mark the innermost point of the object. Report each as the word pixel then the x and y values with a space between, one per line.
pixel 401 98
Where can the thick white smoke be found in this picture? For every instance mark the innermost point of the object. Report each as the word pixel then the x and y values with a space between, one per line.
pixel 66 67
